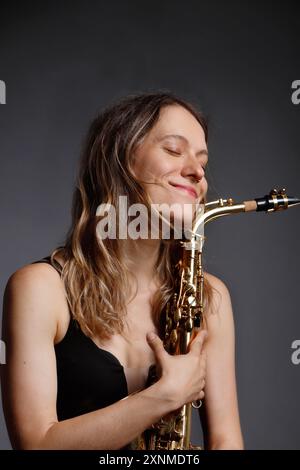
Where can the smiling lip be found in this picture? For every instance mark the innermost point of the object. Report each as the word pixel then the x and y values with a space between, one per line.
pixel 188 189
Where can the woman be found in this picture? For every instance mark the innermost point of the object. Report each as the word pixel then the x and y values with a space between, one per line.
pixel 80 342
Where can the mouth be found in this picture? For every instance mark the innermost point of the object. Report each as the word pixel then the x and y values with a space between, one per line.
pixel 185 189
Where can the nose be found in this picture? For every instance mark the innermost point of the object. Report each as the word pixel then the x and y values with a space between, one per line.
pixel 192 168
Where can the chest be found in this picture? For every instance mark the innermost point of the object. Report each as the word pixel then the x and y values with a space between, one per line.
pixel 131 348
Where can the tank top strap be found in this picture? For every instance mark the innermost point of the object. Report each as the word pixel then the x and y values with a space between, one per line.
pixel 47 259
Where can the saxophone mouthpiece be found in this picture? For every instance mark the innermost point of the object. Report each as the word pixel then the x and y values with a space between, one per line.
pixel 276 200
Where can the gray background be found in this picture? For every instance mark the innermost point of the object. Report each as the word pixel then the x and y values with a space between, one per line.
pixel 62 61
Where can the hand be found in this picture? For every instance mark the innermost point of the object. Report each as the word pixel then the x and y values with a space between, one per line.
pixel 182 377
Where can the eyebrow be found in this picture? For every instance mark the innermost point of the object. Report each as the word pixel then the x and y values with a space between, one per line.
pixel 185 140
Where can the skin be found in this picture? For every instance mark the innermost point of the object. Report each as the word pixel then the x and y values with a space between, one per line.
pixel 30 337
pixel 158 162
pixel 162 161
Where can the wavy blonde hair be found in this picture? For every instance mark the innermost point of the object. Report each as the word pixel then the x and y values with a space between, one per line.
pixel 97 281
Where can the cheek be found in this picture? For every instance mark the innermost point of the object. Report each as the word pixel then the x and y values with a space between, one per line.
pixel 204 187
pixel 152 167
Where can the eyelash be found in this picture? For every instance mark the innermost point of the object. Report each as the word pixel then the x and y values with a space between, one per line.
pixel 179 155
pixel 173 152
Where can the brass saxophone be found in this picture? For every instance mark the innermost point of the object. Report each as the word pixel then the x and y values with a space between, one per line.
pixel 184 312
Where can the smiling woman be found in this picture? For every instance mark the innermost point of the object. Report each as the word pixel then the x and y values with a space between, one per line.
pixel 93 303
pixel 171 166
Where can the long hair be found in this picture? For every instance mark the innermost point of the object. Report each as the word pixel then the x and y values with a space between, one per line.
pixel 97 280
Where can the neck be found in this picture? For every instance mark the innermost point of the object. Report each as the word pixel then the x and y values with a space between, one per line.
pixel 141 259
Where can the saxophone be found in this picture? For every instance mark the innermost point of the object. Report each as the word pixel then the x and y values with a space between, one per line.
pixel 184 313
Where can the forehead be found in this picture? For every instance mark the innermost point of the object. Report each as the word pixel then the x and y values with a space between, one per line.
pixel 177 120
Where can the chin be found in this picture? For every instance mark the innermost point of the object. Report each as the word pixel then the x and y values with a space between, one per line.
pixel 181 215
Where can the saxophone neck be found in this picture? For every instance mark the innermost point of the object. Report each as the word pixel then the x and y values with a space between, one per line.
pixel 276 200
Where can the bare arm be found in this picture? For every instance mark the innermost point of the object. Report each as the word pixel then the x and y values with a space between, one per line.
pixel 29 381
pixel 29 384
pixel 220 413
pixel 111 427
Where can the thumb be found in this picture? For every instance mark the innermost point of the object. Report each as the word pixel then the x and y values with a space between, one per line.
pixel 197 343
pixel 157 345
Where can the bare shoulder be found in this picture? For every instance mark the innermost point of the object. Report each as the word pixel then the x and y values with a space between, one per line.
pixel 220 289
pixel 31 312
pixel 40 279
pixel 34 293
pixel 38 272
pixel 215 281
pixel 220 309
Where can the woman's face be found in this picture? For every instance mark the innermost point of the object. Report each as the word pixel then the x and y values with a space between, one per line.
pixel 171 160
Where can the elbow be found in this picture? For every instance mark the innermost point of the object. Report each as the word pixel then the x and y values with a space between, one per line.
pixel 33 441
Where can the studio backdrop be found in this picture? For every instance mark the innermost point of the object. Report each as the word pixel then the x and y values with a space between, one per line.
pixel 238 62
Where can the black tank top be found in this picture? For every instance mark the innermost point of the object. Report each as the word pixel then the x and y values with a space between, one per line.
pixel 88 377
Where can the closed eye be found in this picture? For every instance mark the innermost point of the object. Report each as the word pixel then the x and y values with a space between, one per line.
pixel 173 151
pixel 179 154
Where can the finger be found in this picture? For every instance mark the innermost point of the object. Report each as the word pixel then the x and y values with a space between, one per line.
pixel 197 343
pixel 157 346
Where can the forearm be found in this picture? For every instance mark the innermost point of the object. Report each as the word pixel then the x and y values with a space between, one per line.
pixel 227 446
pixel 227 443
pixel 112 427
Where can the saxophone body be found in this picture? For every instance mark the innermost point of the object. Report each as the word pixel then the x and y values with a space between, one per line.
pixel 183 318
pixel 184 313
